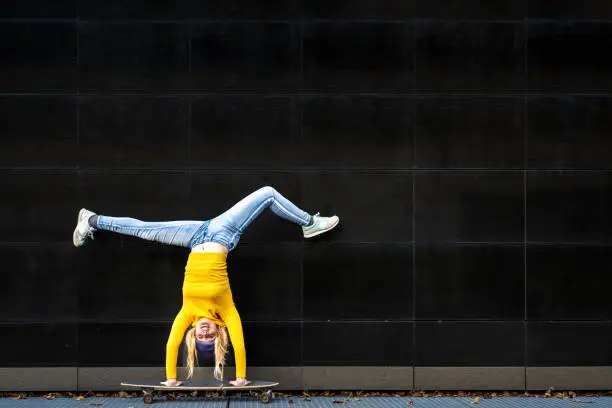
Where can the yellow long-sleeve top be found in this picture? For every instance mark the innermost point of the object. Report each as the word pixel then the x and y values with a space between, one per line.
pixel 206 293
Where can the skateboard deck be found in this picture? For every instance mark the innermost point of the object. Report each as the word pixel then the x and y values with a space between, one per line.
pixel 265 388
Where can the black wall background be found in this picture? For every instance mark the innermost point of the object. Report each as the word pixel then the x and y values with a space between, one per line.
pixel 466 148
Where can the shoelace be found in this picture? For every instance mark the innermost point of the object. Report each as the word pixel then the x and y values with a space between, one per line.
pixel 89 234
pixel 315 219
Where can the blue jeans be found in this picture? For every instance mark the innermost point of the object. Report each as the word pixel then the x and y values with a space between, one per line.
pixel 225 229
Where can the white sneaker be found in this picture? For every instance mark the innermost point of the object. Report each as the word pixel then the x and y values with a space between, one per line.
pixel 83 230
pixel 320 225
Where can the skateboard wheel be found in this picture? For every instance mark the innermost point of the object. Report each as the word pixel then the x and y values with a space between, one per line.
pixel 148 398
pixel 266 397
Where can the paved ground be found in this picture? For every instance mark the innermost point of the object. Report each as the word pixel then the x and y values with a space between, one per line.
pixel 314 402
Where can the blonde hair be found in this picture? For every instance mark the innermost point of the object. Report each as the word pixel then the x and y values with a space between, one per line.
pixel 221 344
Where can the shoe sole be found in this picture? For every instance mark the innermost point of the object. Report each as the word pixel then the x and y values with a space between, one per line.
pixel 314 234
pixel 74 233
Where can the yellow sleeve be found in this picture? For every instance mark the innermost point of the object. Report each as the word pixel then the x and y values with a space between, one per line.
pixel 234 327
pixel 180 325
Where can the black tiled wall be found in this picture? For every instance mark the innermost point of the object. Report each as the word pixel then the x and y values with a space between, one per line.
pixel 465 146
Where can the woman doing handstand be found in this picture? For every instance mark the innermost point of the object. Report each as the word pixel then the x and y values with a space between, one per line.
pixel 208 305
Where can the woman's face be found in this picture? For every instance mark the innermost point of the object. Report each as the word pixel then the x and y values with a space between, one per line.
pixel 205 330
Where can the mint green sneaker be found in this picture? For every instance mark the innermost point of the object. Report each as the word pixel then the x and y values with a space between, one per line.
pixel 83 230
pixel 320 225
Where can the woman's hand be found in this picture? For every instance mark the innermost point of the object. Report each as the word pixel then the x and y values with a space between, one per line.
pixel 239 382
pixel 171 382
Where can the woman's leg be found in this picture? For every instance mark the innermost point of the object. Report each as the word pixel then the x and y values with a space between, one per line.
pixel 231 224
pixel 177 233
pixel 246 210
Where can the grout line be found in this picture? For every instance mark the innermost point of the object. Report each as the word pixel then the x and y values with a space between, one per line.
pixel 196 93
pixel 365 170
pixel 331 20
pixel 71 321
pixel 393 245
pixel 525 166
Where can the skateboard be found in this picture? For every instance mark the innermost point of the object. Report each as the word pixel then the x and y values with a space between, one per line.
pixel 263 388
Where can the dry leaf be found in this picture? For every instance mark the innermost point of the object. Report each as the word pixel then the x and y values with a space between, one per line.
pixel 307 399
pixel 95 404
pixel 339 402
pixel 49 396
pixel 476 400
pixel 572 394
pixel 409 403
pixel 80 398
pixel 123 394
pixel 290 401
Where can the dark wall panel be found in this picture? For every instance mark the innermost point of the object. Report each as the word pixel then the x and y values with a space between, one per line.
pixel 469 56
pixel 403 10
pixel 360 9
pixel 568 9
pixel 108 10
pixel 237 9
pixel 123 344
pixel 38 132
pixel 40 57
pixel 469 207
pixel 358 56
pixel 133 57
pixel 266 281
pixel 272 343
pixel 40 283
pixel 134 281
pixel 469 282
pixel 336 193
pixel 358 343
pixel 61 9
pixel 244 56
pixel 264 127
pixel 569 344
pixel 569 132
pixel 476 132
pixel 139 132
pixel 569 56
pixel 338 132
pixel 569 207
pixel 469 9
pixel 24 342
pixel 358 282
pixel 471 344
pixel 41 206
pixel 568 282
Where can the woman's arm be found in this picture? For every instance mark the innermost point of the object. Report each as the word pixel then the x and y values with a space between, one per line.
pixel 234 328
pixel 180 325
